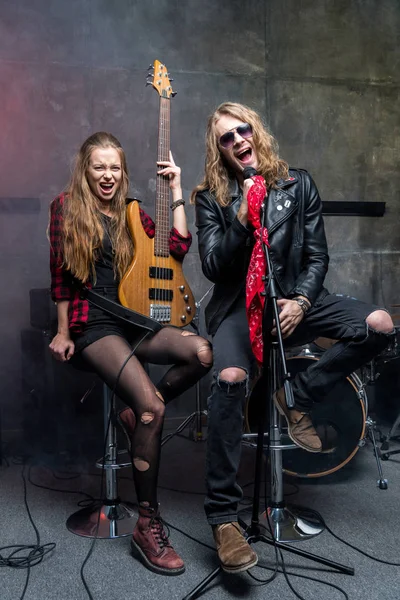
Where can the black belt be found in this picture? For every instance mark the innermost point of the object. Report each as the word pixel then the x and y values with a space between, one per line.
pixel 121 312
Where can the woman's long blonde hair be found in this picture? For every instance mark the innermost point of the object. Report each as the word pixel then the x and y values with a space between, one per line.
pixel 218 173
pixel 82 233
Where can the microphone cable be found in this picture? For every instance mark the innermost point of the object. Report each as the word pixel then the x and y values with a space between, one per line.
pixel 94 539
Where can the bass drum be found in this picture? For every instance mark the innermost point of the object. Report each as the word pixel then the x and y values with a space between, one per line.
pixel 339 420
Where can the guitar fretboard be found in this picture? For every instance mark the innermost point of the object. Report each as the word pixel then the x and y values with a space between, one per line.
pixel 161 240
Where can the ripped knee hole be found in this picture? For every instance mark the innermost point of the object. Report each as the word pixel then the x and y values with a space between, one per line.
pixel 147 417
pixel 233 375
pixel 141 464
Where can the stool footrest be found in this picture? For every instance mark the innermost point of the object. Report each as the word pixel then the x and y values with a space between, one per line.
pixel 284 445
pixel 123 461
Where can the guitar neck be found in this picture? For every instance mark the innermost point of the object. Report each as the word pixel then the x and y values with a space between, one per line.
pixel 161 240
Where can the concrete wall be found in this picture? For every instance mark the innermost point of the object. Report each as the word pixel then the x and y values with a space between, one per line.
pixel 325 75
pixel 333 96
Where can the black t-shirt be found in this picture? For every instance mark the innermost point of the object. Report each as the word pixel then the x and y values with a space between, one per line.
pixel 104 263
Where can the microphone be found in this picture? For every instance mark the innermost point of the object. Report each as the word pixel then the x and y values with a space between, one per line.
pixel 249 172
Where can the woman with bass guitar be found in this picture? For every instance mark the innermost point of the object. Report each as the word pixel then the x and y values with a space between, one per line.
pixel 91 247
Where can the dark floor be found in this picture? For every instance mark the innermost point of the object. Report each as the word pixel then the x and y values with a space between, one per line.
pixel 349 501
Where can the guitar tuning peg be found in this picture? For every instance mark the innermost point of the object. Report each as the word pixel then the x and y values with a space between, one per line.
pixel 148 83
pixel 170 79
pixel 174 94
pixel 151 67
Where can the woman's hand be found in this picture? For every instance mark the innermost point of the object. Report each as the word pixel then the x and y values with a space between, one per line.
pixel 62 347
pixel 173 172
pixel 290 316
pixel 170 170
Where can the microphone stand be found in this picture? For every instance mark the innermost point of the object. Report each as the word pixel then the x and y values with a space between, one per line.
pixel 253 532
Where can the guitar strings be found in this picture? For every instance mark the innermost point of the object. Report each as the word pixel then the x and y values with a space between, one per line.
pixel 162 216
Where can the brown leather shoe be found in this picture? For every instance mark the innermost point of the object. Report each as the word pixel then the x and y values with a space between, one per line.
pixel 234 553
pixel 151 542
pixel 300 428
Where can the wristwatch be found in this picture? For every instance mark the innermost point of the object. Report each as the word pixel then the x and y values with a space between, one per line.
pixel 304 305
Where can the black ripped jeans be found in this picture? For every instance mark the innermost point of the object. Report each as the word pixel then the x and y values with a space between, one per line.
pixel 337 317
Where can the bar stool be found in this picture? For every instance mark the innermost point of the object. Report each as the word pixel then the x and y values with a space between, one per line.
pixel 287 523
pixel 110 518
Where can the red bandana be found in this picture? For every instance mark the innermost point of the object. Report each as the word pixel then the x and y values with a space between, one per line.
pixel 257 268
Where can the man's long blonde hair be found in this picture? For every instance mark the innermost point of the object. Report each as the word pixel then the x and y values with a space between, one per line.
pixel 217 172
pixel 82 232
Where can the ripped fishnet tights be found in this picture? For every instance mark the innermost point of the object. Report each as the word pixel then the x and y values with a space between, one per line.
pixel 190 357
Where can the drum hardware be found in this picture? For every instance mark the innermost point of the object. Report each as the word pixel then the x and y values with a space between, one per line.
pixel 392 353
pixel 370 374
pixel 341 421
pixel 384 452
pixel 382 483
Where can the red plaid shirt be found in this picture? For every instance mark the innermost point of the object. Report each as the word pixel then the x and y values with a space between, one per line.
pixel 65 287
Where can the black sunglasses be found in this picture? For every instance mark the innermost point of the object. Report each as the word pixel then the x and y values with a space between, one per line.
pixel 228 139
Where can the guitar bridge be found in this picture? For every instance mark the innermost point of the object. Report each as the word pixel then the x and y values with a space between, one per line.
pixel 160 312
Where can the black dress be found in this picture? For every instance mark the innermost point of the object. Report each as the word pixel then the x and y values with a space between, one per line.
pixel 99 323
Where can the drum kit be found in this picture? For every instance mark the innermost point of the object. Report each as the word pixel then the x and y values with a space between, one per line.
pixel 342 420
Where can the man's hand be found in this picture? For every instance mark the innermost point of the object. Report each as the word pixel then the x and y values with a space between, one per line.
pixel 62 347
pixel 290 316
pixel 243 209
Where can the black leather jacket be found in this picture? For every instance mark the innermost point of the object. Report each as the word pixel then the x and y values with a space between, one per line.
pixel 298 248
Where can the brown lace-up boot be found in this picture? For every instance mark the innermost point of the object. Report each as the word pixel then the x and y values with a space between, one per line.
pixel 234 553
pixel 151 542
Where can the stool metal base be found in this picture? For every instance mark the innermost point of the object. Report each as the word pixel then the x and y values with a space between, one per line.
pixel 288 525
pixel 115 521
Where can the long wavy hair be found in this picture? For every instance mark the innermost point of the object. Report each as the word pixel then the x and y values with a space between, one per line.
pixel 218 172
pixel 83 231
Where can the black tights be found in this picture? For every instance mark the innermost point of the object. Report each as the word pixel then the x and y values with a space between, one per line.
pixel 191 357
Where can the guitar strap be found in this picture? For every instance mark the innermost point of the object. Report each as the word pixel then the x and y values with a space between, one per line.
pixel 121 312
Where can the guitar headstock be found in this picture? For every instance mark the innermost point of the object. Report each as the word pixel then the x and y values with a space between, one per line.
pixel 160 80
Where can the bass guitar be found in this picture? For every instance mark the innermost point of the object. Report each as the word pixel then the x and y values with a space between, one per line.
pixel 154 284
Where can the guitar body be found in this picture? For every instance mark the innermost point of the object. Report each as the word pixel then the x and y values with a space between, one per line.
pixel 154 285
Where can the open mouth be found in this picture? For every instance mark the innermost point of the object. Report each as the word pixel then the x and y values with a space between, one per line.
pixel 106 187
pixel 245 156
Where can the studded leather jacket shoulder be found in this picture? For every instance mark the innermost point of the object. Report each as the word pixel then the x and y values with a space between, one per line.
pixel 298 248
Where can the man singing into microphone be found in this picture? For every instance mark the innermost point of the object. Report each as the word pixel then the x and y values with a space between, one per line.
pixel 236 138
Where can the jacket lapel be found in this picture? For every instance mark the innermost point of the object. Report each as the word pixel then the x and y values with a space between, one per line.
pixel 281 204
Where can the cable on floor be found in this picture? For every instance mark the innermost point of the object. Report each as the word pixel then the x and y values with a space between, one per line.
pixel 25 556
